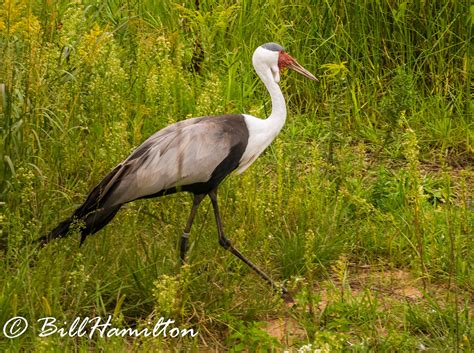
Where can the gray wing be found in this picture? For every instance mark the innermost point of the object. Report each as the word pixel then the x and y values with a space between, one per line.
pixel 184 153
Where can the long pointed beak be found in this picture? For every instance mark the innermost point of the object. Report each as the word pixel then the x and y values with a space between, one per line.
pixel 294 65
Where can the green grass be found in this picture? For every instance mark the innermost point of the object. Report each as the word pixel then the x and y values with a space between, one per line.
pixel 373 171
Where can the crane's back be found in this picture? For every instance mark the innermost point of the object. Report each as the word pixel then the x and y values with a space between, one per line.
pixel 194 155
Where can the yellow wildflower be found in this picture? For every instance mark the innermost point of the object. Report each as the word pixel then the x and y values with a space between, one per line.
pixel 333 70
pixel 92 44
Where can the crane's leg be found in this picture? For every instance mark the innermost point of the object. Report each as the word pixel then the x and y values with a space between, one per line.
pixel 226 244
pixel 183 241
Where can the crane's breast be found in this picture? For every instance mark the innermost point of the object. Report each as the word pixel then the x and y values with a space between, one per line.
pixel 260 137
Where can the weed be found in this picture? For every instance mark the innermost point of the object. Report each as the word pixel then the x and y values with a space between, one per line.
pixel 372 170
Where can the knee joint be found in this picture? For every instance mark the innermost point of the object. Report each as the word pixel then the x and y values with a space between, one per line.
pixel 224 242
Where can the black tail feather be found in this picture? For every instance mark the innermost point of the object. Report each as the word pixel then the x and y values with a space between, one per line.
pixel 98 220
pixel 60 231
pixel 91 216
pixel 90 224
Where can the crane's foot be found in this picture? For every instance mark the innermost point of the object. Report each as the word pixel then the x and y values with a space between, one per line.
pixel 286 296
pixel 183 246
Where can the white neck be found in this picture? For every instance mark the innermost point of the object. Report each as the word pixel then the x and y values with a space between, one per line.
pixel 263 131
pixel 277 118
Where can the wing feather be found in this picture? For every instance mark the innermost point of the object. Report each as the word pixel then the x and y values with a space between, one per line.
pixel 181 154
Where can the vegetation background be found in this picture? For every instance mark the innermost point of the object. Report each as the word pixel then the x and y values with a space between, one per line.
pixel 363 205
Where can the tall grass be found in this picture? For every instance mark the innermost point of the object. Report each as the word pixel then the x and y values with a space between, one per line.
pixel 373 169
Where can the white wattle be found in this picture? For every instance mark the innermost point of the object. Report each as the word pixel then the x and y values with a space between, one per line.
pixel 263 131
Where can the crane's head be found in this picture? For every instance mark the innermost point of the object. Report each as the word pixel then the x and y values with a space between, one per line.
pixel 273 57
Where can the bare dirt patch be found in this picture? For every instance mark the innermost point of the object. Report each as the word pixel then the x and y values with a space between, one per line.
pixel 397 283
pixel 390 286
pixel 286 330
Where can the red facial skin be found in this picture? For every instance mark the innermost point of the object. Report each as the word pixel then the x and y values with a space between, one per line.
pixel 284 59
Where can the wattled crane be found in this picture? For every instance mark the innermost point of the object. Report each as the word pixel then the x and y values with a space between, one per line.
pixel 193 155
